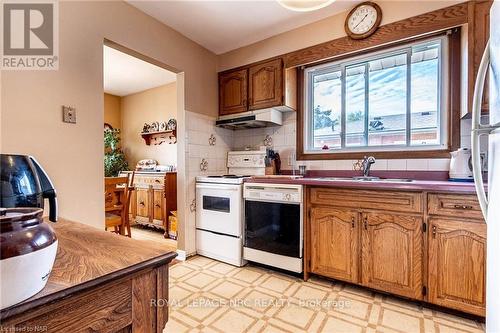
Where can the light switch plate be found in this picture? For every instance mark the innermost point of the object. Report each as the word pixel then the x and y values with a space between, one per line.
pixel 69 114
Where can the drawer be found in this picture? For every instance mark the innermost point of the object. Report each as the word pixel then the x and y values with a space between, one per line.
pixel 148 180
pixel 368 199
pixel 454 205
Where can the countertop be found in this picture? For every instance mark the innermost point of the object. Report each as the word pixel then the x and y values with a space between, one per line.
pixel 416 185
pixel 87 257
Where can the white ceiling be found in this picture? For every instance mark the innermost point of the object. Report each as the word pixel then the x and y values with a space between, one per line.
pixel 222 26
pixel 125 75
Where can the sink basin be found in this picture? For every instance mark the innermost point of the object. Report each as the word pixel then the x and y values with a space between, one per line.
pixel 364 179
pixel 396 180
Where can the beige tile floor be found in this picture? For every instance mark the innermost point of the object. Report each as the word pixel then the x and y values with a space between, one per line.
pixel 153 235
pixel 210 296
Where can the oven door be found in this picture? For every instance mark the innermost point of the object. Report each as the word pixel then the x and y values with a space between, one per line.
pixel 219 208
pixel 274 227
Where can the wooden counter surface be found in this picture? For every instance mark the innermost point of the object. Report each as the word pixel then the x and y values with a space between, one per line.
pixel 100 281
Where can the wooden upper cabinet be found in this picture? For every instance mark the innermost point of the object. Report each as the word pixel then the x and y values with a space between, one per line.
pixel 233 92
pixel 335 243
pixel 478 35
pixel 262 85
pixel 265 85
pixel 391 252
pixel 457 256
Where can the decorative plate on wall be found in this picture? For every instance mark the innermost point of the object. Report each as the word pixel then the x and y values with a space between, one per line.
pixel 163 126
pixel 172 124
pixel 155 126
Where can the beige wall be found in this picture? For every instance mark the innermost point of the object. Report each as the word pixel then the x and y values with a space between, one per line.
pixel 156 104
pixel 31 100
pixel 112 112
pixel 321 31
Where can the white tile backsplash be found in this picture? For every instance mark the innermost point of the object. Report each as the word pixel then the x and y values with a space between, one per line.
pixel 439 164
pixel 417 165
pixel 284 141
pixel 200 128
pixel 396 164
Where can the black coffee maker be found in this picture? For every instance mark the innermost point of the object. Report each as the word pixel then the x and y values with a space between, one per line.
pixel 24 183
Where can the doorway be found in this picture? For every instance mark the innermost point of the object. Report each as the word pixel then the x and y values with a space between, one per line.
pixel 141 110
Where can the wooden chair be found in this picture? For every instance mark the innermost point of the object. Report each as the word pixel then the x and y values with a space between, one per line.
pixel 117 193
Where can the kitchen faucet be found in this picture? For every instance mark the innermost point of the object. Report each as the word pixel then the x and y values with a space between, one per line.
pixel 367 163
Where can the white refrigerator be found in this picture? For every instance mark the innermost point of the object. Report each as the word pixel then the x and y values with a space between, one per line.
pixel 490 202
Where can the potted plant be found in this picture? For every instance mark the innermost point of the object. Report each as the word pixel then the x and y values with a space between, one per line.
pixel 114 158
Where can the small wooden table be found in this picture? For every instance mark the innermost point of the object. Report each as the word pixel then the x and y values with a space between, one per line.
pixel 100 282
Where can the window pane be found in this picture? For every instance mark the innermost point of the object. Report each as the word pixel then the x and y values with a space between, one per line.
pixel 327 102
pixel 424 95
pixel 355 106
pixel 387 101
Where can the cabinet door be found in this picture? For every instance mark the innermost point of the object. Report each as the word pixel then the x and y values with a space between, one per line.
pixel 457 264
pixel 266 85
pixel 158 205
pixel 133 205
pixel 233 92
pixel 335 243
pixel 142 207
pixel 392 246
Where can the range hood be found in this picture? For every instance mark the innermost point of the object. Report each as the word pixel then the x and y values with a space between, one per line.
pixel 251 119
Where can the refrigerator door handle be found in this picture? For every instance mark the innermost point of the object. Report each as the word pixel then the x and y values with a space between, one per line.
pixel 478 129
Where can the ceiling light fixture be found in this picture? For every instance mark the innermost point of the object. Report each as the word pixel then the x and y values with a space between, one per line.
pixel 304 5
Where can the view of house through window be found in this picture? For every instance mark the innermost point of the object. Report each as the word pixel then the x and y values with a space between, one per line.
pixel 390 100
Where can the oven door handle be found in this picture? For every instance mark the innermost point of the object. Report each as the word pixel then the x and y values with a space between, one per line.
pixel 217 187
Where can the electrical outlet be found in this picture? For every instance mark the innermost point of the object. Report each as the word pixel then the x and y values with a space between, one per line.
pixel 69 114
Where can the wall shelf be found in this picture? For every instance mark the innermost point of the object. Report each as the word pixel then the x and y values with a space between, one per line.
pixel 157 138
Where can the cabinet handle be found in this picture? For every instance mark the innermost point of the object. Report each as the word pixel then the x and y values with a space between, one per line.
pixel 352 221
pixel 366 223
pixel 157 181
pixel 141 203
pixel 463 207
pixel 157 205
pixel 434 229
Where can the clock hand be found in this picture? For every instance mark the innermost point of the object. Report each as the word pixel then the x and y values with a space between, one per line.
pixel 360 21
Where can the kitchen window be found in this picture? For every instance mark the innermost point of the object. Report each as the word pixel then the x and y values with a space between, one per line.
pixel 392 100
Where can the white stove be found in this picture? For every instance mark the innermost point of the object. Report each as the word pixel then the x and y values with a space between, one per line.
pixel 219 207
pixel 223 179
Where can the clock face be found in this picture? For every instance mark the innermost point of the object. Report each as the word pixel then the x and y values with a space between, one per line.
pixel 362 20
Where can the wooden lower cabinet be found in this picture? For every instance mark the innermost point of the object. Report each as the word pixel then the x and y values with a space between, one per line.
pixel 334 243
pixel 457 256
pixel 434 252
pixel 158 206
pixel 154 197
pixel 391 253
pixel 142 202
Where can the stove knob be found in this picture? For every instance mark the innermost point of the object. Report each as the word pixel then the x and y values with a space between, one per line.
pixel 288 197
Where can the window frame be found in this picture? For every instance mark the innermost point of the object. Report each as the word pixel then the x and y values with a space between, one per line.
pixel 449 101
